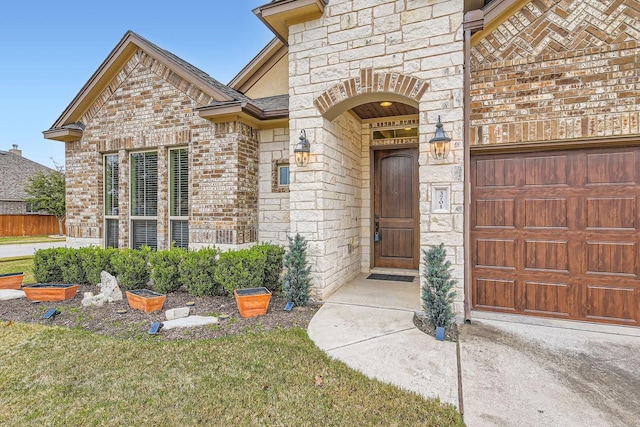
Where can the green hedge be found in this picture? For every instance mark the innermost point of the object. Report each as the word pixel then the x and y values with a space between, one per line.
pixel 202 272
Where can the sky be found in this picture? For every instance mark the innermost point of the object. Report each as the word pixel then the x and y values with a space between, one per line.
pixel 49 49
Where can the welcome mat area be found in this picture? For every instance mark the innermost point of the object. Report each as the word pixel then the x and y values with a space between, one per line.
pixel 391 277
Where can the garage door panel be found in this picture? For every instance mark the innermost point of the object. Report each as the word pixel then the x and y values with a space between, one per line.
pixel 611 213
pixel 496 253
pixel 495 173
pixel 497 294
pixel 546 255
pixel 611 168
pixel 610 303
pixel 557 234
pixel 496 213
pixel 545 213
pixel 547 298
pixel 546 171
pixel 612 258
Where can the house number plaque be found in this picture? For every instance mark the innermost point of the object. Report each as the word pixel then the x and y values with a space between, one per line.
pixel 440 200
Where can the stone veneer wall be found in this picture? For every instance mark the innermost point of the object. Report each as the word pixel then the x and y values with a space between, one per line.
pixel 365 42
pixel 558 71
pixel 273 203
pixel 148 107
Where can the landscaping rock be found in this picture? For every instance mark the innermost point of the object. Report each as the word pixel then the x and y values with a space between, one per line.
pixel 88 299
pixel 7 294
pixel 109 287
pixel 177 313
pixel 189 322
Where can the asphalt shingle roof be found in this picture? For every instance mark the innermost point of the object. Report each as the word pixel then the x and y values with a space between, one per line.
pixel 15 170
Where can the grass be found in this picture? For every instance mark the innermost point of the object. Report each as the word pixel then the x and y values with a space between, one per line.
pixel 16 264
pixel 54 376
pixel 15 240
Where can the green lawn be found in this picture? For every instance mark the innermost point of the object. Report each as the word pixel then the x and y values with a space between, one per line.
pixel 66 377
pixel 30 239
pixel 16 264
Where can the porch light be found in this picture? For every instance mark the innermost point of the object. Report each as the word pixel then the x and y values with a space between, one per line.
pixel 440 143
pixel 386 104
pixel 302 150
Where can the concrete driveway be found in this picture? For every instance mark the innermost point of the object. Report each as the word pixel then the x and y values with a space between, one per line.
pixel 8 251
pixel 506 370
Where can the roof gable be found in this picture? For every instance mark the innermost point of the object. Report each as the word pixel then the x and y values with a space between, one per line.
pixel 113 70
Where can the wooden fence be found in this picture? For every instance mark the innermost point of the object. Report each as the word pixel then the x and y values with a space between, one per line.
pixel 28 225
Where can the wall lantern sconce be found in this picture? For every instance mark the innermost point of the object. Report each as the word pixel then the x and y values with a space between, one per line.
pixel 302 150
pixel 440 143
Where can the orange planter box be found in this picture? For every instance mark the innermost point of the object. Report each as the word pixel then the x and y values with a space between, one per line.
pixel 50 292
pixel 145 300
pixel 252 301
pixel 11 280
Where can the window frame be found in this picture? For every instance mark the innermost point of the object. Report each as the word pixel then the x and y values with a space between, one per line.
pixel 110 216
pixel 133 218
pixel 177 218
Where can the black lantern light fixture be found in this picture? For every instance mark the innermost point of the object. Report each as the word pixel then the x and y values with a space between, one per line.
pixel 440 143
pixel 302 150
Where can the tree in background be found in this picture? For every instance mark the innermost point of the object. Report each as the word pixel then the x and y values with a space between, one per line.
pixel 46 192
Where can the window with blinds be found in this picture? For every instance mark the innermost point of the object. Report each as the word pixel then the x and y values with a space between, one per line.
pixel 144 233
pixel 111 233
pixel 179 179
pixel 144 199
pixel 111 181
pixel 179 197
pixel 144 184
pixel 111 201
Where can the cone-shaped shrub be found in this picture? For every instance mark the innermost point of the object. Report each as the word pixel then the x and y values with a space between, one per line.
pixel 437 293
pixel 296 280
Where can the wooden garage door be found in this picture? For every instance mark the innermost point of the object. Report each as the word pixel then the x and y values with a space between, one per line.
pixel 556 234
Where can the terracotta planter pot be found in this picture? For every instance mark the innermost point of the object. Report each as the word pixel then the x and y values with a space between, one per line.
pixel 252 301
pixel 145 300
pixel 11 280
pixel 50 291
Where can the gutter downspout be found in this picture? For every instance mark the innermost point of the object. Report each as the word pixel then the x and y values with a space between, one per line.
pixel 473 21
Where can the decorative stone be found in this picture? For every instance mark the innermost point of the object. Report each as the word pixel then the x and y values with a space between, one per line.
pixel 8 294
pixel 109 287
pixel 88 299
pixel 177 313
pixel 191 321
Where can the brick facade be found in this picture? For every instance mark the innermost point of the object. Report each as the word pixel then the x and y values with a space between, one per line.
pixel 558 71
pixel 147 107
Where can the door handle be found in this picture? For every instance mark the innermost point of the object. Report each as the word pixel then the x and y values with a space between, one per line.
pixel 376 224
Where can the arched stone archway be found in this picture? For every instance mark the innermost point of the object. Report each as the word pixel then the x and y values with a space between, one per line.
pixel 367 87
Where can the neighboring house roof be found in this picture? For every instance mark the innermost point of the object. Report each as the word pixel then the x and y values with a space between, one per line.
pixel 15 171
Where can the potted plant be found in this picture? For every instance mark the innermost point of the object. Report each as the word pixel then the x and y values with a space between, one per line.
pixel 50 291
pixel 437 293
pixel 145 300
pixel 11 280
pixel 252 301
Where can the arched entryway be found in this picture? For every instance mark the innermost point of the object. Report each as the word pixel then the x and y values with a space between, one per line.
pixel 377 113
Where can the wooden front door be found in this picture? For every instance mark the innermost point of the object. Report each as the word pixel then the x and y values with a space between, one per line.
pixel 557 234
pixel 396 231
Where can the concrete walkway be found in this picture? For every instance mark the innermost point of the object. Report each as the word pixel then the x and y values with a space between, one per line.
pixel 510 370
pixel 27 249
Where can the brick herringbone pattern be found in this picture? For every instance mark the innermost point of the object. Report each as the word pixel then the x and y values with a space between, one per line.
pixel 547 27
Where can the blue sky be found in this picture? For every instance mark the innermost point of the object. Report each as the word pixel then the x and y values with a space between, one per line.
pixel 48 51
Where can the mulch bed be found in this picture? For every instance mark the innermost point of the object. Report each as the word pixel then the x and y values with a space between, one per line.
pixel 135 323
pixel 420 322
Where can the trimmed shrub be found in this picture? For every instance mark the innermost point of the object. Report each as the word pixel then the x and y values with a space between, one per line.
pixel 241 269
pixel 132 267
pixel 437 296
pixel 198 271
pixel 273 264
pixel 165 269
pixel 70 266
pixel 45 266
pixel 95 260
pixel 296 279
